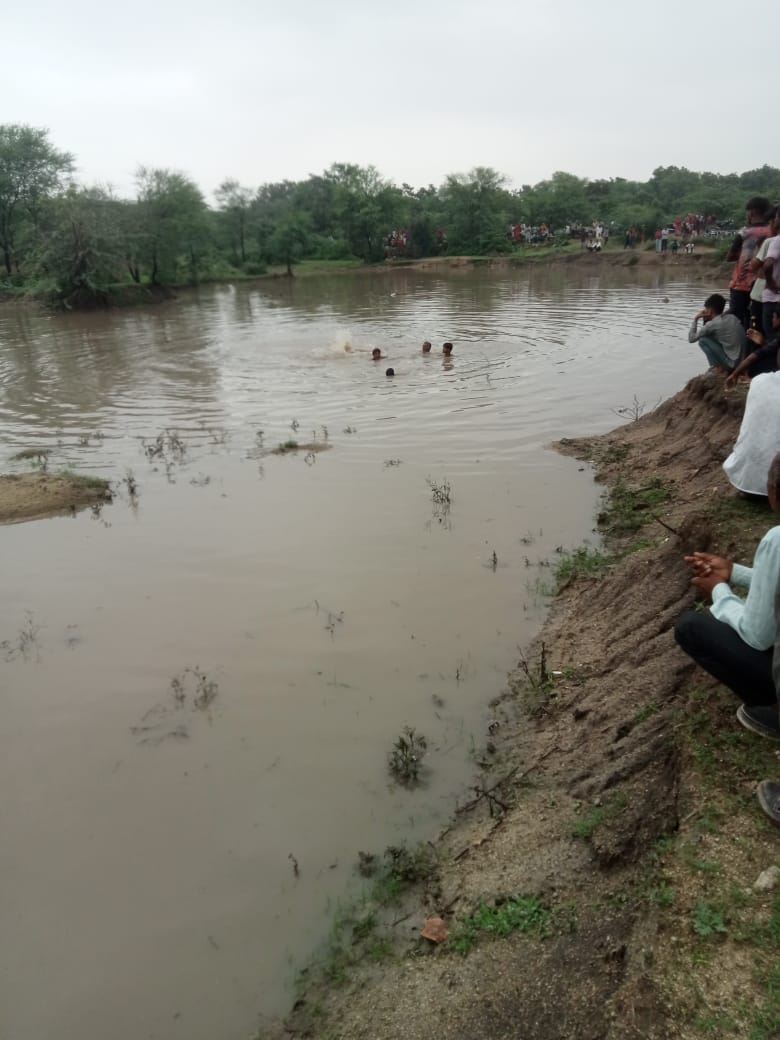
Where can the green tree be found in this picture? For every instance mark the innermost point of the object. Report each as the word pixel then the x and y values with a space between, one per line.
pixel 271 203
pixel 563 199
pixel 476 209
pixel 82 247
pixel 173 226
pixel 31 171
pixel 365 208
pixel 289 240
pixel 234 202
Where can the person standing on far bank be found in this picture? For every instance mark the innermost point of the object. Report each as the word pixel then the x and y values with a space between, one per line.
pixel 743 250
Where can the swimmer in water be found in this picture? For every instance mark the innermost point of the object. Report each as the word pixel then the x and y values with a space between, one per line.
pixel 447 350
pixel 376 354
pixel 426 347
pixel 390 372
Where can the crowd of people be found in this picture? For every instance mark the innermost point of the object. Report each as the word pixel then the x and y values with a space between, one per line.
pixel 530 234
pixel 738 641
pixel 754 295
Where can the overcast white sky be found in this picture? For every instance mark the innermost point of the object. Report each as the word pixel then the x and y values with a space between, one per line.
pixel 263 91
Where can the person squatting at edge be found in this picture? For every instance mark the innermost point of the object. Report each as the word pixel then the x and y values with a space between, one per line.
pixel 733 642
pixel 721 337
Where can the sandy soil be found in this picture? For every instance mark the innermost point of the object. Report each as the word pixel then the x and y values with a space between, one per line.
pixel 599 793
pixel 32 496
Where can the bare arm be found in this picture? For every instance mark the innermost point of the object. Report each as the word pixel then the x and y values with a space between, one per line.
pixel 741 367
pixel 767 271
pixel 735 249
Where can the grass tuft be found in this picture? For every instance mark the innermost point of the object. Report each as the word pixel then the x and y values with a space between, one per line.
pixel 525 914
pixel 627 509
pixel 584 562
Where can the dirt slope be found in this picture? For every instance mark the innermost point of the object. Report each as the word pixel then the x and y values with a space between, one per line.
pixel 589 854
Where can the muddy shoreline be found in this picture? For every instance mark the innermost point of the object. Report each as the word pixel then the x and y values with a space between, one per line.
pixel 600 883
pixel 35 496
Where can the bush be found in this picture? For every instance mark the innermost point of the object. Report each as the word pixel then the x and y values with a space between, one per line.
pixel 326 247
pixel 254 267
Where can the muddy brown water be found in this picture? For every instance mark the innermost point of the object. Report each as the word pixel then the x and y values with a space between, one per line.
pixel 202 683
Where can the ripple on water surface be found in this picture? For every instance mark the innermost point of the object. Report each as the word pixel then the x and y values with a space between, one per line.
pixel 204 680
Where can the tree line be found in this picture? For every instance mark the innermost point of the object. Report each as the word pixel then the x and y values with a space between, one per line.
pixel 58 234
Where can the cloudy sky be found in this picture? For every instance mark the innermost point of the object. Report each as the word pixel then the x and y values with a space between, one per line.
pixel 263 91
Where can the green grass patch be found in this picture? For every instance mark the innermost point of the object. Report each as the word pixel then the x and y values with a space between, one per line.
pixel 723 753
pixel 608 454
pixel 361 929
pixel 524 914
pixel 584 562
pixel 401 868
pixel 709 921
pixel 86 481
pixel 587 825
pixel 627 509
pixel 662 895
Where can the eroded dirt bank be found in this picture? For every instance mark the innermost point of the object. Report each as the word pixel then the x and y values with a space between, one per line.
pixel 33 496
pixel 600 884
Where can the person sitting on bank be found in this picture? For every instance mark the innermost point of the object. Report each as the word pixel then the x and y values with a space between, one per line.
pixel 734 641
pixel 764 357
pixel 721 336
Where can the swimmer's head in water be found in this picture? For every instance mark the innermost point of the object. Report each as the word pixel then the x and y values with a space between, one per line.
pixel 426 347
pixel 390 372
pixel 376 353
pixel 447 349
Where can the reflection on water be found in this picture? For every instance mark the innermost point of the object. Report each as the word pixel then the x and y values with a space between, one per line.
pixel 201 684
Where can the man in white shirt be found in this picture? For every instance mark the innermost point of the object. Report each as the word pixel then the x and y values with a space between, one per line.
pixel 734 641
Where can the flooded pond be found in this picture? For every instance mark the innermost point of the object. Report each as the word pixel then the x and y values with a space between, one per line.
pixel 200 683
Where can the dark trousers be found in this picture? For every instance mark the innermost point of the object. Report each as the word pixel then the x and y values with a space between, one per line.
pixel 767 310
pixel 761 319
pixel 719 650
pixel 739 305
pixel 760 368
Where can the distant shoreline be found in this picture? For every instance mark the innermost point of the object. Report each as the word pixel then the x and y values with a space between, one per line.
pixel 131 295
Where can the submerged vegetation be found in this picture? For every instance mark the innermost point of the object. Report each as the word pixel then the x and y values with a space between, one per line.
pixel 83 242
pixel 405 759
